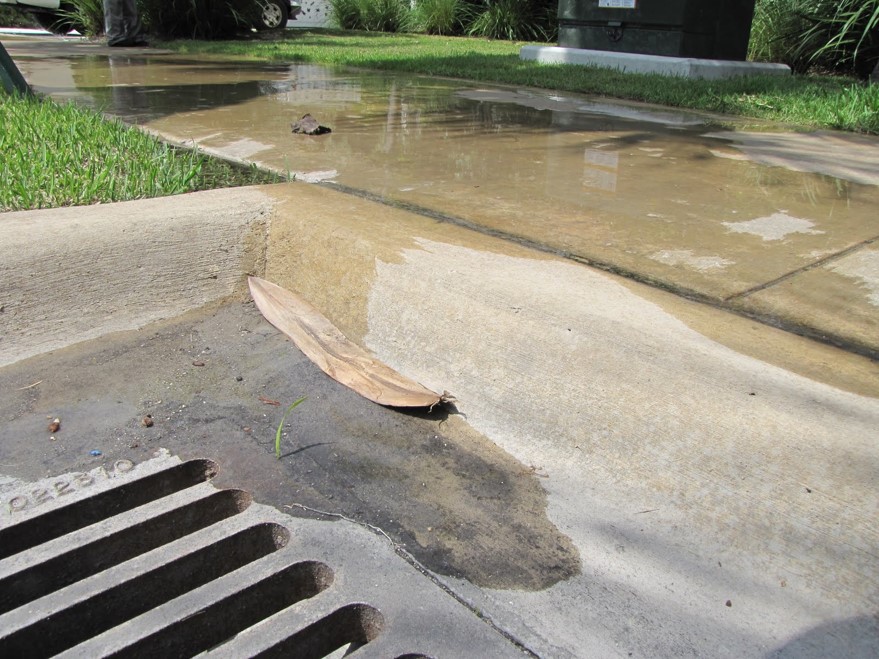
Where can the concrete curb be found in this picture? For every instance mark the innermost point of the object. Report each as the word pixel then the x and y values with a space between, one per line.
pixel 681 67
pixel 72 274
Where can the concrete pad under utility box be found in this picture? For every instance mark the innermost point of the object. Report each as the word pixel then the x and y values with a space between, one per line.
pixel 681 67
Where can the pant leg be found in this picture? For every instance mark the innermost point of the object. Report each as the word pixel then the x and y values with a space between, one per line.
pixel 114 26
pixel 133 27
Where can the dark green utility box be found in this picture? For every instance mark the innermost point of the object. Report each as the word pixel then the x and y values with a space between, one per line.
pixel 706 29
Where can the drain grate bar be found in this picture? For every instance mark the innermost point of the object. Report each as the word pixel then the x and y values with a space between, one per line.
pixel 65 560
pixel 358 625
pixel 57 623
pixel 158 562
pixel 38 523
pixel 210 615
pixel 139 574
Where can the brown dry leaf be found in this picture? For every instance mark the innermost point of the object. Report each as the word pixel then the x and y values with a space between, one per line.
pixel 336 356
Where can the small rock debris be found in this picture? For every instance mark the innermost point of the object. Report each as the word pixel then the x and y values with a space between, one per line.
pixel 308 125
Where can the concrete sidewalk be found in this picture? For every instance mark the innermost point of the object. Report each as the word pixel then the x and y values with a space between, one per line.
pixel 633 474
pixel 777 226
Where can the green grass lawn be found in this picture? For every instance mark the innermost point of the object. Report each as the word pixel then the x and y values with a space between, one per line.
pixel 61 155
pixel 805 101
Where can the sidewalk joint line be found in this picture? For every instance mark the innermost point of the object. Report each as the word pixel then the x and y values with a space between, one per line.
pixel 723 304
pixel 793 273
pixel 528 243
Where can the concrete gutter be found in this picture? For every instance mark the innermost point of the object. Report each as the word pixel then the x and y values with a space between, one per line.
pixel 698 500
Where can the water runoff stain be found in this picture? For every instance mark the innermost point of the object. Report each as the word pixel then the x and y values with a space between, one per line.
pixel 439 489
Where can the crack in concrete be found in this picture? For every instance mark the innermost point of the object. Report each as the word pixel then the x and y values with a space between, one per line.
pixel 836 256
pixel 400 550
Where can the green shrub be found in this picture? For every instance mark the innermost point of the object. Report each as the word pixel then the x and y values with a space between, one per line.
pixel 516 20
pixel 372 15
pixel 843 35
pixel 386 15
pixel 441 16
pixel 346 14
pixel 837 35
pixel 87 16
pixel 197 19
pixel 776 31
pixel 533 20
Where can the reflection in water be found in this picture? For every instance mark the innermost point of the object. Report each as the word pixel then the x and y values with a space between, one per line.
pixel 633 186
pixel 600 169
pixel 139 90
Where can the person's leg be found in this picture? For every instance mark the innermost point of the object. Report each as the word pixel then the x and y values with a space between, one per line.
pixel 133 27
pixel 114 26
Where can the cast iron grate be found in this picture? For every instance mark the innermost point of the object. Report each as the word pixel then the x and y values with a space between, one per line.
pixel 153 560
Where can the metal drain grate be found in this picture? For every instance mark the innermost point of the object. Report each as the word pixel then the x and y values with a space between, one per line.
pixel 153 560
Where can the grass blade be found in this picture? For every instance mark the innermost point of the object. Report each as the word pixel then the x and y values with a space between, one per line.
pixel 293 406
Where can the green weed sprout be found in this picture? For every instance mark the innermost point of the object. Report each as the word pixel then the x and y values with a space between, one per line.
pixel 293 406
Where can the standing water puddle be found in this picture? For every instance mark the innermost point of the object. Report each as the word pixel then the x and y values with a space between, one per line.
pixel 668 197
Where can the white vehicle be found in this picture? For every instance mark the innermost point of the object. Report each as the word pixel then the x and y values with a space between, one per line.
pixel 52 15
pixel 46 12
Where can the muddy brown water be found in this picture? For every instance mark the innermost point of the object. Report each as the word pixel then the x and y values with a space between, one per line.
pixel 700 205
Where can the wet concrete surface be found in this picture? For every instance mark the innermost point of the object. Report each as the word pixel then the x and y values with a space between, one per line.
pixel 617 474
pixel 634 473
pixel 712 208
pixel 705 440
pixel 328 246
pixel 453 499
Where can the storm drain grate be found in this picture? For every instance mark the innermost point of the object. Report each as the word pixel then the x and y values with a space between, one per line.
pixel 153 560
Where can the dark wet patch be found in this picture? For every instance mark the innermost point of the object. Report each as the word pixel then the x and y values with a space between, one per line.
pixel 448 495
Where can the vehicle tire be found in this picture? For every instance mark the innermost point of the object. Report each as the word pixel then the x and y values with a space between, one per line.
pixel 273 15
pixel 53 23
